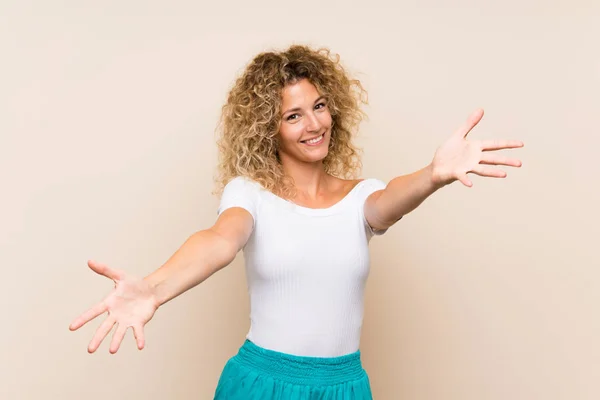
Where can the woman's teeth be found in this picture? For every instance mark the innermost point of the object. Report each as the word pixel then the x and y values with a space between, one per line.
pixel 315 140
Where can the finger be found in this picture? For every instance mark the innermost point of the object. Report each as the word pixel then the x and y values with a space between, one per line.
pixel 117 338
pixel 138 332
pixel 101 333
pixel 464 179
pixel 105 270
pixel 488 145
pixel 489 172
pixel 470 123
pixel 498 159
pixel 87 316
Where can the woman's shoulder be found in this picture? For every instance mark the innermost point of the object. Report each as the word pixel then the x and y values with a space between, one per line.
pixel 363 188
pixel 241 184
pixel 357 184
pixel 242 180
pixel 349 184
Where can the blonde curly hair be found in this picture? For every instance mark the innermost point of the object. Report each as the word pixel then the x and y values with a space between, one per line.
pixel 250 119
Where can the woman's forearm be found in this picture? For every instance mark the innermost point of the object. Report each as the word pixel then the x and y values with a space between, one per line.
pixel 202 254
pixel 405 193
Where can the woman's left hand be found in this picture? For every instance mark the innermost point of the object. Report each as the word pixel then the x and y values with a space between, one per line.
pixel 458 156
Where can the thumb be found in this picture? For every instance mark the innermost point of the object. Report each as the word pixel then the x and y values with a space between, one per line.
pixel 463 178
pixel 105 270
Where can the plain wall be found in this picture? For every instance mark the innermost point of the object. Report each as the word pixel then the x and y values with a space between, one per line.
pixel 107 152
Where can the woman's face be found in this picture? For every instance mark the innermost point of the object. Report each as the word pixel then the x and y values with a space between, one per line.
pixel 305 129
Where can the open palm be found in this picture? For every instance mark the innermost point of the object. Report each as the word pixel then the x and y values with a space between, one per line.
pixel 130 304
pixel 458 156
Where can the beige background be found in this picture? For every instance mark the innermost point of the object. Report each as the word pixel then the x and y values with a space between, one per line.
pixel 107 117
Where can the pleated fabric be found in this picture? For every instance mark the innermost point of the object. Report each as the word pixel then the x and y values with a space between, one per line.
pixel 256 373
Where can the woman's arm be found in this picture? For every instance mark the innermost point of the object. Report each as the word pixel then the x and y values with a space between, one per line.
pixel 133 301
pixel 453 160
pixel 202 254
pixel 401 195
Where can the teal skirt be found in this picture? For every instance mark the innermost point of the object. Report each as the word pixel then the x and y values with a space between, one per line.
pixel 260 374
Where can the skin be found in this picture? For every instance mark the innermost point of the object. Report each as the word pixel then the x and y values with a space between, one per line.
pixel 133 301
pixel 305 115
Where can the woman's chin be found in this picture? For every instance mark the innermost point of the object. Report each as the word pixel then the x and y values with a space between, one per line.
pixel 317 156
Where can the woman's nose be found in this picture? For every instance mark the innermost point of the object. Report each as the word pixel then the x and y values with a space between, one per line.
pixel 313 124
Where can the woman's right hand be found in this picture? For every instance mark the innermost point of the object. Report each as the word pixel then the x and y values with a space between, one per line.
pixel 132 303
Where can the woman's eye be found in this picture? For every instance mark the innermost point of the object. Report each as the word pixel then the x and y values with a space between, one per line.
pixel 292 117
pixel 320 105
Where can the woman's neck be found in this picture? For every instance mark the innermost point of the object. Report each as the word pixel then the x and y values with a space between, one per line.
pixel 310 179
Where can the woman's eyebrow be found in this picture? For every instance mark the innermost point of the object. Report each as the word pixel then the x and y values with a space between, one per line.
pixel 299 108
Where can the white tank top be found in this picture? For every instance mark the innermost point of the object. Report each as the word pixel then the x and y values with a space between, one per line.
pixel 306 269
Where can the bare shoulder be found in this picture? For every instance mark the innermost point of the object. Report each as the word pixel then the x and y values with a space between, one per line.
pixel 345 186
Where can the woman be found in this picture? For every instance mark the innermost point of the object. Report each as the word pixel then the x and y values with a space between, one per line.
pixel 291 200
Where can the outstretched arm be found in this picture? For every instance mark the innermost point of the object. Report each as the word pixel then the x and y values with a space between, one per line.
pixel 133 301
pixel 452 161
pixel 203 254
